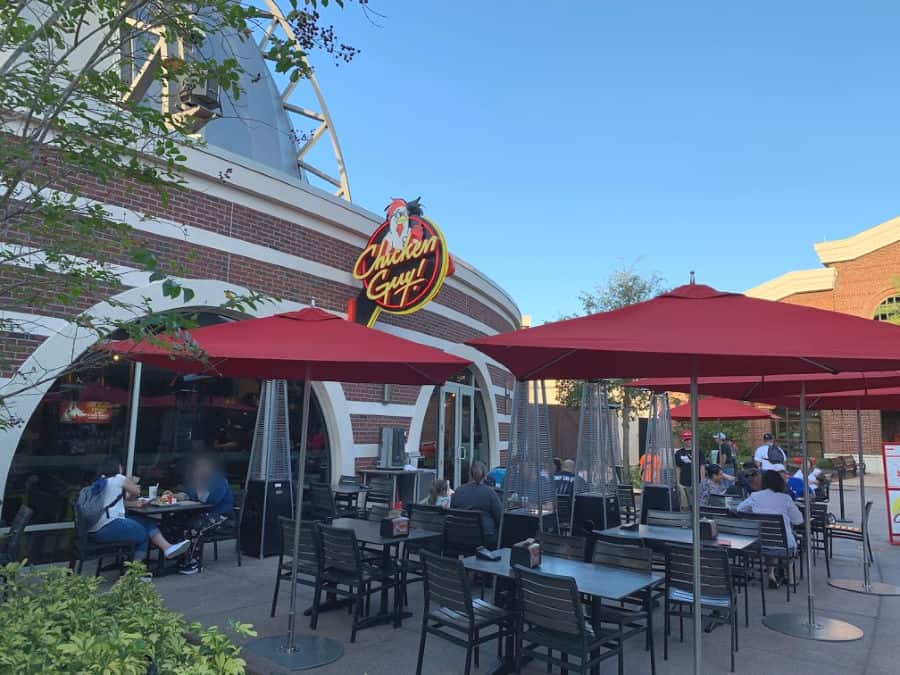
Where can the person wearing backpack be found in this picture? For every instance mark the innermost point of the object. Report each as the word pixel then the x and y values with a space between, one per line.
pixel 102 506
pixel 769 454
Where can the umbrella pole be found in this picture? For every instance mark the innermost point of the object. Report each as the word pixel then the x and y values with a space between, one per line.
pixel 309 651
pixel 866 586
pixel 695 520
pixel 807 626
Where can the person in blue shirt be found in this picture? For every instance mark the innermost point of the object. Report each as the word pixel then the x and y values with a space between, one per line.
pixel 205 483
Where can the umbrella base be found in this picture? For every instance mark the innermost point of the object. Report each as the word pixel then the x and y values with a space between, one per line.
pixel 824 629
pixel 858 586
pixel 310 651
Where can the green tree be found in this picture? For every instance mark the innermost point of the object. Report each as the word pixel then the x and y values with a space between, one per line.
pixel 625 286
pixel 105 92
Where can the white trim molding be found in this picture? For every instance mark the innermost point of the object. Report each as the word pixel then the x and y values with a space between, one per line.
pixel 850 248
pixel 798 281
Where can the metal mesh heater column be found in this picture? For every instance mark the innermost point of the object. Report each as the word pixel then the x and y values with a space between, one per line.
pixel 658 477
pixel 528 489
pixel 615 445
pixel 269 489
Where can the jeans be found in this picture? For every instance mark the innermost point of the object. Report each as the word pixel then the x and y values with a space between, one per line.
pixel 135 530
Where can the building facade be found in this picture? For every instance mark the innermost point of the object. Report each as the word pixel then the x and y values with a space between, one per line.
pixel 860 275
pixel 247 218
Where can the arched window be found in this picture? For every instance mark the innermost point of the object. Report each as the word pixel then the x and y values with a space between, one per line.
pixel 889 310
pixel 85 416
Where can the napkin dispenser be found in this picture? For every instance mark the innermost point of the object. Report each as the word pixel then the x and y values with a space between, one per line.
pixel 708 529
pixel 396 526
pixel 526 553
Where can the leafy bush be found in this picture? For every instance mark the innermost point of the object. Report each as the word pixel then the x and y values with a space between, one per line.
pixel 53 621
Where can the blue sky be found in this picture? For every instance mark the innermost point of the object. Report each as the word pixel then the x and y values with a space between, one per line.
pixel 556 141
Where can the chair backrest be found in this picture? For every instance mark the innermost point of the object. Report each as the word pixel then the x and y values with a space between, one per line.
pixel 550 602
pixel 321 501
pixel 378 511
pixel 348 480
pixel 625 494
pixel 717 501
pixel 819 516
pixel 560 546
pixel 381 490
pixel 627 556
pixel 669 518
pixel 237 500
pixel 867 513
pixel 309 554
pixel 463 532
pixel 716 578
pixel 739 526
pixel 446 584
pixel 714 512
pixel 340 551
pixel 427 517
pixel 772 530
pixel 16 533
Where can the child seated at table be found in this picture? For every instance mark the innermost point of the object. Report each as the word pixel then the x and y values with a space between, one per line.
pixel 440 494
pixel 114 526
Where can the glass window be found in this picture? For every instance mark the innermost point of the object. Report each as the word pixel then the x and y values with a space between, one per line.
pixel 889 310
pixel 787 432
pixel 318 445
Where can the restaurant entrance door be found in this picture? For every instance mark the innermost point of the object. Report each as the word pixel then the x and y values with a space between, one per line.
pixel 456 432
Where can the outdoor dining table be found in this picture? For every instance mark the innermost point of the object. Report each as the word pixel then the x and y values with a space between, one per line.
pixel 148 509
pixel 662 534
pixel 598 581
pixel 369 532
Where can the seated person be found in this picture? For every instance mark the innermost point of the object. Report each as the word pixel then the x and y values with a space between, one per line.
pixel 440 494
pixel 713 484
pixel 114 526
pixel 774 499
pixel 476 496
pixel 207 484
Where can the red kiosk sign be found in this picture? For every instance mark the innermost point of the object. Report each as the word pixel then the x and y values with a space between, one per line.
pixel 890 454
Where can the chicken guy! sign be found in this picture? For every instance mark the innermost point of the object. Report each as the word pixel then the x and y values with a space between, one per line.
pixel 403 264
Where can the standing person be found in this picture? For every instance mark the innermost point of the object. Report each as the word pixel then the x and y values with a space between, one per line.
pixel 649 467
pixel 206 484
pixel 565 479
pixel 557 466
pixel 476 496
pixel 114 526
pixel 684 460
pixel 774 499
pixel 769 454
pixel 725 456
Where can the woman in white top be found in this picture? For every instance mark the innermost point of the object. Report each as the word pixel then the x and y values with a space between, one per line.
pixel 774 499
pixel 115 526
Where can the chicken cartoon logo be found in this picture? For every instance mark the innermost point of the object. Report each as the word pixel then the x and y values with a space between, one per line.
pixel 403 264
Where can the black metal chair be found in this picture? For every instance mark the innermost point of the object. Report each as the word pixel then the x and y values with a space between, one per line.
pixel 818 528
pixel 668 518
pixel 11 544
pixel 848 532
pixel 421 517
pixel 345 575
pixel 380 493
pixel 463 533
pixel 84 548
pixel 347 502
pixel 452 614
pixel 563 512
pixel 551 619
pixel 230 530
pixel 718 501
pixel 634 615
pixel 746 561
pixel 309 557
pixel 714 512
pixel 561 546
pixel 322 506
pixel 627 508
pixel 774 546
pixel 716 591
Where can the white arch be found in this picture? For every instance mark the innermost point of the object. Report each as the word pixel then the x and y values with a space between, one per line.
pixel 55 353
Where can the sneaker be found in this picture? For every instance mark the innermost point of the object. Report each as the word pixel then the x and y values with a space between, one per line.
pixel 193 568
pixel 147 578
pixel 178 549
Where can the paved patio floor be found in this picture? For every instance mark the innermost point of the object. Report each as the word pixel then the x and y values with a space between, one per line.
pixel 224 591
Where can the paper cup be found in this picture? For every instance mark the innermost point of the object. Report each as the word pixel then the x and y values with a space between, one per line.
pixel 152 491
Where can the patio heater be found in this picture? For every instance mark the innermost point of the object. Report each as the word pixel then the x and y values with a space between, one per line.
pixel 658 473
pixel 594 497
pixel 529 495
pixel 615 444
pixel 268 487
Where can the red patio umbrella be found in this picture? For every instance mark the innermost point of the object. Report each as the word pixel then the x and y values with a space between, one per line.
pixel 713 408
pixel 696 331
pixel 309 344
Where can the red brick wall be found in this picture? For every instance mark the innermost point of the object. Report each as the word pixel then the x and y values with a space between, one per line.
pixel 839 431
pixel 399 393
pixel 367 428
pixel 363 463
pixel 14 349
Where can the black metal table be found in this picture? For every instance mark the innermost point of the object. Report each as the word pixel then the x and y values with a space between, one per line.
pixel 599 581
pixel 186 506
pixel 675 535
pixel 369 532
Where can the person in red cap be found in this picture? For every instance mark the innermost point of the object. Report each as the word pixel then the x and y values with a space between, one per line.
pixel 684 460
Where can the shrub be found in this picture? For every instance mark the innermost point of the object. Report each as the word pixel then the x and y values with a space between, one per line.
pixel 53 621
